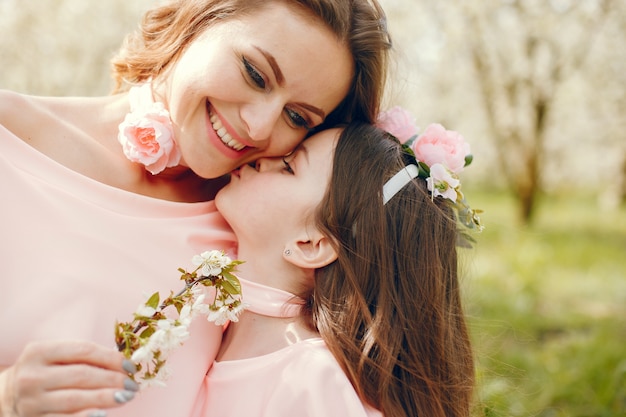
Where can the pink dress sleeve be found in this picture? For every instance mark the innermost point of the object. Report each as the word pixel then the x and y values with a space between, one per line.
pixel 78 255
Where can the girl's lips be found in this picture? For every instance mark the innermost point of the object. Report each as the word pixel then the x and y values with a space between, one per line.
pixel 240 171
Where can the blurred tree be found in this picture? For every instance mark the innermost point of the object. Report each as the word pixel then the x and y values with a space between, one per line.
pixel 610 94
pixel 63 47
pixel 537 87
pixel 523 52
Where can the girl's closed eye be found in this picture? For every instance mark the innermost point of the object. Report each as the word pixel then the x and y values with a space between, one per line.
pixel 287 166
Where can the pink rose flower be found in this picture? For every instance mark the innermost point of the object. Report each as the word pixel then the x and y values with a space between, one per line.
pixel 146 134
pixel 399 122
pixel 436 145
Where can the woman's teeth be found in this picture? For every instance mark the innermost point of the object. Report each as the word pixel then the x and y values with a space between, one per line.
pixel 224 135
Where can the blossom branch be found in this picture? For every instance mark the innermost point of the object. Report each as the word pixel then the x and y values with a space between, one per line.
pixel 151 335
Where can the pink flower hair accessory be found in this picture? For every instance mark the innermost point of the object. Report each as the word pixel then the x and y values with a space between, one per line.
pixel 146 134
pixel 436 145
pixel 440 155
pixel 399 122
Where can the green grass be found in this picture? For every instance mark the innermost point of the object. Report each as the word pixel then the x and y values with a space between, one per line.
pixel 547 309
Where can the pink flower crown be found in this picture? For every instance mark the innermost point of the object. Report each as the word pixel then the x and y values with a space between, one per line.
pixel 440 156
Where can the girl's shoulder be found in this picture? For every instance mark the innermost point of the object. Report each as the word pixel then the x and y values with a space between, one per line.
pixel 314 377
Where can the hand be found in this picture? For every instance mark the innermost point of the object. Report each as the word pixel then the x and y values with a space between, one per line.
pixel 65 378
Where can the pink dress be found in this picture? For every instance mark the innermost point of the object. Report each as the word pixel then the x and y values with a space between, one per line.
pixel 303 379
pixel 78 255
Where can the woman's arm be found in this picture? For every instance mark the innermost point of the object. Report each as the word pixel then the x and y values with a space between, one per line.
pixel 64 377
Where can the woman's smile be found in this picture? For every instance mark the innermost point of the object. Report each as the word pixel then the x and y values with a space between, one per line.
pixel 223 136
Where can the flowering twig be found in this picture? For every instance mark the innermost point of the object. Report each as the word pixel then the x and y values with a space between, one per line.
pixel 151 335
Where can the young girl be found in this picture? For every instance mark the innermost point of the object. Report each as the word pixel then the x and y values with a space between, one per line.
pixel 351 278
pixel 103 196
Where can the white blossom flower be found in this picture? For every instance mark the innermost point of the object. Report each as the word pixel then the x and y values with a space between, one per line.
pixel 191 311
pixel 225 312
pixel 158 380
pixel 212 262
pixel 199 307
pixel 442 182
pixel 237 310
pixel 145 311
pixel 186 315
pixel 221 315
pixel 168 336
pixel 143 354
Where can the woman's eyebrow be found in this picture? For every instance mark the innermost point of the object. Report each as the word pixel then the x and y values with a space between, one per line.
pixel 278 74
pixel 280 79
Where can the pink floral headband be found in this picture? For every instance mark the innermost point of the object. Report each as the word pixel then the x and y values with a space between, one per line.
pixel 440 155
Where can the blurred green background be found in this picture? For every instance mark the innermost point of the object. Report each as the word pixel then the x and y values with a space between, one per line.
pixel 538 87
pixel 547 308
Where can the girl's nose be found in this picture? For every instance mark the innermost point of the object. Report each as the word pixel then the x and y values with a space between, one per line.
pixel 268 164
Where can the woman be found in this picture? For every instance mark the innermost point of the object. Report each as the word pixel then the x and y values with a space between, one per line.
pixel 215 84
pixel 377 325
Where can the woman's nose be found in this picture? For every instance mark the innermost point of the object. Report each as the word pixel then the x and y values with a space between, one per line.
pixel 260 119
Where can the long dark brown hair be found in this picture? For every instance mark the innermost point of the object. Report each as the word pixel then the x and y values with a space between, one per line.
pixel 167 30
pixel 390 308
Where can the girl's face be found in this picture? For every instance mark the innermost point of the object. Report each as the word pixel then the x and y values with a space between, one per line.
pixel 252 86
pixel 278 196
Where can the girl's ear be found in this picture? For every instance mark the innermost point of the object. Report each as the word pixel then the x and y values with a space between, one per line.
pixel 311 252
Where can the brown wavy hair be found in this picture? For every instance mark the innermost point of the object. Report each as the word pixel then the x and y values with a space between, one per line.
pixel 167 30
pixel 389 308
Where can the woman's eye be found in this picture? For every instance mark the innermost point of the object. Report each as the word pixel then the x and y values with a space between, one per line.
pixel 297 120
pixel 287 166
pixel 254 75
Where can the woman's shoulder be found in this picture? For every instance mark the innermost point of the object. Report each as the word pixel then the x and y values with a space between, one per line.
pixel 12 106
pixel 58 127
pixel 24 115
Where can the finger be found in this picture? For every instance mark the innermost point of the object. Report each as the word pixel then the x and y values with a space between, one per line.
pixel 84 377
pixel 67 352
pixel 95 412
pixel 68 402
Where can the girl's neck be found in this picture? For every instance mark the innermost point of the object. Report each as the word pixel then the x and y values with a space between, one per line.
pixel 265 265
pixel 271 322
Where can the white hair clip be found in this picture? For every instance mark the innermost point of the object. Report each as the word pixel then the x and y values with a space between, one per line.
pixel 399 181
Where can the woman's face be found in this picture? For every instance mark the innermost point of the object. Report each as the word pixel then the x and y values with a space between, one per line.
pixel 279 195
pixel 252 86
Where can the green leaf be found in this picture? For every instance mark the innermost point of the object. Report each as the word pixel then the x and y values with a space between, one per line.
pixel 233 281
pixel 227 287
pixel 147 333
pixel 406 147
pixel 153 301
pixel 423 169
